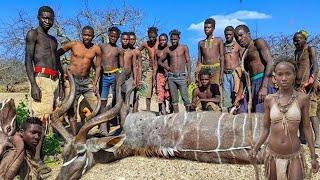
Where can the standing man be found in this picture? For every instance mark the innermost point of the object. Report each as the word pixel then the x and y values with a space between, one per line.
pixel 82 59
pixel 42 66
pixel 258 62
pixel 179 63
pixel 110 62
pixel 129 58
pixel 210 54
pixel 232 69
pixel 150 46
pixel 137 68
pixel 162 89
pixel 306 59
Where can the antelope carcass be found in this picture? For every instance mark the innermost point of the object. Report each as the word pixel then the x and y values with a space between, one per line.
pixel 202 136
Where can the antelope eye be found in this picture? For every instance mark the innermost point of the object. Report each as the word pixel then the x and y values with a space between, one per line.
pixel 8 129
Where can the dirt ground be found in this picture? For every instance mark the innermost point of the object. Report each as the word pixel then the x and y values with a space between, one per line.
pixel 155 168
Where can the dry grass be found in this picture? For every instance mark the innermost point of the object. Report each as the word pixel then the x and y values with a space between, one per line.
pixel 154 168
pixel 16 96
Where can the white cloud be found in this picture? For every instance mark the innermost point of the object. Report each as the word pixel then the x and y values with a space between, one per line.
pixel 233 19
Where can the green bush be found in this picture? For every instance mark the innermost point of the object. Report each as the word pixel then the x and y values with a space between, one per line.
pixel 22 112
pixel 51 144
pixel 191 88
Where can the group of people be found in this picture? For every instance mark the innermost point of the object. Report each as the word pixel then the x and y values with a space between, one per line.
pixel 220 79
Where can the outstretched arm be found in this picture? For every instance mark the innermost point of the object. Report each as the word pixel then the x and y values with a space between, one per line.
pixel 66 47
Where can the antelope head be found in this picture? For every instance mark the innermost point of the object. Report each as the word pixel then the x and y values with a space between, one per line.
pixel 79 153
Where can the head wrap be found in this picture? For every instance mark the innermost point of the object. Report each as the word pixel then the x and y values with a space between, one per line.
pixel 304 33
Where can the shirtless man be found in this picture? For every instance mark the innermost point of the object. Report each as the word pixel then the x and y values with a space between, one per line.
pixel 24 149
pixel 110 62
pixel 210 54
pixel 129 59
pixel 150 46
pixel 258 62
pixel 206 97
pixel 306 59
pixel 42 66
pixel 138 69
pixel 162 89
pixel 232 69
pixel 82 59
pixel 178 78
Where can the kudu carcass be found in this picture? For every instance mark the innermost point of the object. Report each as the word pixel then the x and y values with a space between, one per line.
pixel 202 136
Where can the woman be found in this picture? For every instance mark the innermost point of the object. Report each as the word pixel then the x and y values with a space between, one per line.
pixel 283 112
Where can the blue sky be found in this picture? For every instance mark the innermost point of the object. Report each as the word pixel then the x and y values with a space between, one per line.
pixel 263 17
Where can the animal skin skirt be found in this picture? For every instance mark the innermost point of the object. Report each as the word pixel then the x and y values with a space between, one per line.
pixel 283 162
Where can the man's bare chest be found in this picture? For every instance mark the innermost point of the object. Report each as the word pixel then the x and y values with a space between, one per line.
pixel 45 44
pixel 205 94
pixel 176 53
pixel 110 54
pixel 82 52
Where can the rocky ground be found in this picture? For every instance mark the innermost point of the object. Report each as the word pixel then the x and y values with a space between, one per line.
pixel 155 168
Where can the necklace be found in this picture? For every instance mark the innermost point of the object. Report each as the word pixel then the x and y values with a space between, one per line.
pixel 208 43
pixel 229 47
pixel 297 56
pixel 284 108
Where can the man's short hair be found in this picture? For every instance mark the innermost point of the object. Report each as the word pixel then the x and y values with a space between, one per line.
pixel 164 35
pixel 125 34
pixel 174 32
pixel 131 33
pixel 229 28
pixel 88 28
pixel 115 29
pixel 304 33
pixel 153 29
pixel 204 72
pixel 30 120
pixel 243 27
pixel 210 21
pixel 45 9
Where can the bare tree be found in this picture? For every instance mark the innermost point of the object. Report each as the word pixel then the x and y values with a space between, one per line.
pixel 14 31
pixel 283 44
pixel 11 73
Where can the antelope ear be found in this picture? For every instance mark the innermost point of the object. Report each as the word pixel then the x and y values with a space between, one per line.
pixel 109 144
